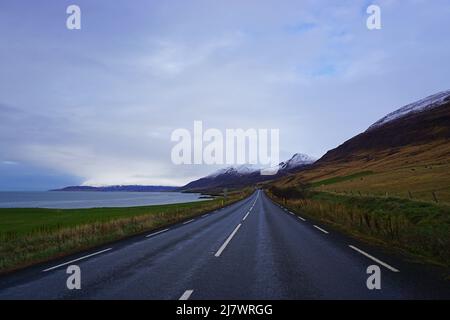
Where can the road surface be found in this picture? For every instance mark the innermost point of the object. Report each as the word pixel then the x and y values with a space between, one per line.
pixel 253 249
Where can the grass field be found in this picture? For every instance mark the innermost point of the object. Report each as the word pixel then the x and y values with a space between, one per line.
pixel 29 236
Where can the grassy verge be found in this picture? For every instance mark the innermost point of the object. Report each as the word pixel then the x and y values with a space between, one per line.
pixel 419 228
pixel 29 236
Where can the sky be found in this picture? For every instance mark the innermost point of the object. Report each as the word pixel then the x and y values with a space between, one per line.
pixel 97 106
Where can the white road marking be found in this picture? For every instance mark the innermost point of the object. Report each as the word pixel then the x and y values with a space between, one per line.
pixel 319 228
pixel 246 216
pixel 186 295
pixel 186 222
pixel 155 233
pixel 303 219
pixel 205 215
pixel 75 260
pixel 292 213
pixel 374 259
pixel 224 245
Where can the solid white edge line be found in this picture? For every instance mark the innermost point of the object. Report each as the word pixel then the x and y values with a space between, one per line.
pixel 224 245
pixel 75 260
pixel 245 217
pixel 189 221
pixel 155 233
pixel 374 259
pixel 186 295
pixel 319 228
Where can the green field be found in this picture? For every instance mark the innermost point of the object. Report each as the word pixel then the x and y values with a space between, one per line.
pixel 29 236
pixel 18 221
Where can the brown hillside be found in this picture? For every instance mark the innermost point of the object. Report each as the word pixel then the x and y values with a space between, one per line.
pixel 406 157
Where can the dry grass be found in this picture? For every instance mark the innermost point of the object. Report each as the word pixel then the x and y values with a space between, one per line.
pixel 413 171
pixel 419 228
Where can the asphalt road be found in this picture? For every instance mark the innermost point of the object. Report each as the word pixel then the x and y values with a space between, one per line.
pixel 253 249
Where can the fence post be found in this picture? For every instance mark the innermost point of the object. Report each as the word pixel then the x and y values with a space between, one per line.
pixel 410 194
pixel 434 196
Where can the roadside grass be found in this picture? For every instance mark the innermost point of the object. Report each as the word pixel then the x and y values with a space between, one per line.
pixel 29 236
pixel 418 228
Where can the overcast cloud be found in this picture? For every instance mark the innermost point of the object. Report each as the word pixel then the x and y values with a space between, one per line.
pixel 97 106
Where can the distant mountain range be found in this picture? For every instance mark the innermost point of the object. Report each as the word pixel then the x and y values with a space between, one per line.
pixel 416 133
pixel 246 175
pixel 120 188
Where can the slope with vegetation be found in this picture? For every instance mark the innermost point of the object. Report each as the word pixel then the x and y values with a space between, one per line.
pixel 389 184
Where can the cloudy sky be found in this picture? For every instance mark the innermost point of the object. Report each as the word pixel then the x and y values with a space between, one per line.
pixel 97 106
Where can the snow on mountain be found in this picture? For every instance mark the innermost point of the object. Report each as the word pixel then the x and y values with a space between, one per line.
pixel 243 169
pixel 427 103
pixel 246 174
pixel 297 160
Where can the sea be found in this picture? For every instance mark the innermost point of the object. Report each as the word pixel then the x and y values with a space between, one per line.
pixel 91 199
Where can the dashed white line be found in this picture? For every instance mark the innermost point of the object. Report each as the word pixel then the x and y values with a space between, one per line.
pixel 155 233
pixel 205 215
pixel 224 245
pixel 186 295
pixel 75 260
pixel 292 213
pixel 374 259
pixel 246 216
pixel 319 228
pixel 189 221
pixel 303 219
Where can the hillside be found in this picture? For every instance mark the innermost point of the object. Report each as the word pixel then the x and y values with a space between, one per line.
pixel 407 155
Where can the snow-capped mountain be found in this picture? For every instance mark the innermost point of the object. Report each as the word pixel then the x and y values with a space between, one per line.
pixel 245 175
pixel 427 103
pixel 297 160
pixel 243 169
pixel 419 125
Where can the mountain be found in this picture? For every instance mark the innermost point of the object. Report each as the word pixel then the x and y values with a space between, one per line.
pixel 422 122
pixel 246 175
pixel 241 170
pixel 406 153
pixel 129 188
pixel 297 160
pixel 427 103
